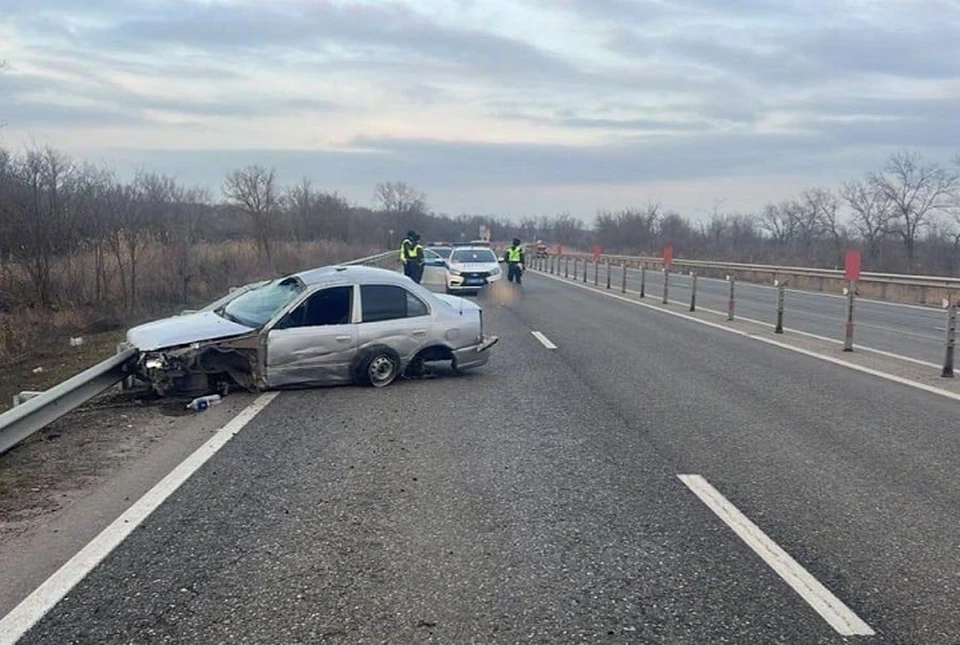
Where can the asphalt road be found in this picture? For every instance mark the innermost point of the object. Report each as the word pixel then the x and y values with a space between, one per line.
pixel 538 500
pixel 907 330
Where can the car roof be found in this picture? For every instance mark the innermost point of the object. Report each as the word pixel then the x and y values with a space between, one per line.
pixel 350 273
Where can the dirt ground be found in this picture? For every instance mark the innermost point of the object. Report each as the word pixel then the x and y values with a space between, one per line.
pixel 74 454
pixel 54 362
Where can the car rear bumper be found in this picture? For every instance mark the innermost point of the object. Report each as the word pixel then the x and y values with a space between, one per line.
pixel 475 355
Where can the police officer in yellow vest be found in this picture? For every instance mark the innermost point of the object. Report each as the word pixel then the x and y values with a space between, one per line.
pixel 514 258
pixel 411 254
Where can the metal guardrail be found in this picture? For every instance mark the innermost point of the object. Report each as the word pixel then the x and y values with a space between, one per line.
pixel 812 272
pixel 375 260
pixel 46 407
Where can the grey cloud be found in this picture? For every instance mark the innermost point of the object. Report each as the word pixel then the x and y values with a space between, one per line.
pixel 789 42
pixel 33 113
pixel 248 29
pixel 567 119
pixel 116 105
pixel 929 53
pixel 438 163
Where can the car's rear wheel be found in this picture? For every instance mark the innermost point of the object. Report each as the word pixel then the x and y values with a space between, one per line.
pixel 379 367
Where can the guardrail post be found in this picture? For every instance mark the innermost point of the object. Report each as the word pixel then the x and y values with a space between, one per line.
pixel 566 266
pixel 623 284
pixel 693 291
pixel 848 331
pixel 666 284
pixel 643 280
pixel 586 263
pixel 553 264
pixel 608 273
pixel 781 286
pixel 730 304
pixel 128 381
pixel 951 303
pixel 596 272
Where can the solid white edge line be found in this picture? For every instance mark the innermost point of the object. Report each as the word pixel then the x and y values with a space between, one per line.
pixel 872 350
pixel 543 340
pixel 831 608
pixel 32 608
pixel 769 341
pixel 865 348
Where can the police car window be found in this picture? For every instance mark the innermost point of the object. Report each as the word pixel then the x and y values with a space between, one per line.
pixel 389 302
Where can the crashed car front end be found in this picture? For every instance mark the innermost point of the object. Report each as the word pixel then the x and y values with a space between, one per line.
pixel 200 367
pixel 195 352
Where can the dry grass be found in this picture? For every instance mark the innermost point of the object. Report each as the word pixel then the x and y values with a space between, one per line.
pixel 168 280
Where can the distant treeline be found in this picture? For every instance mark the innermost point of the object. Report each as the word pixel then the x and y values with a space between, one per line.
pixel 73 234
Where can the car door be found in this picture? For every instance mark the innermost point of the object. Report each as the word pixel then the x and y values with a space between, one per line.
pixel 316 342
pixel 434 270
pixel 394 316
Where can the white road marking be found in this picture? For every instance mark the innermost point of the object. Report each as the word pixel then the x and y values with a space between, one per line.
pixel 32 608
pixel 543 340
pixel 769 341
pixel 831 608
pixel 808 334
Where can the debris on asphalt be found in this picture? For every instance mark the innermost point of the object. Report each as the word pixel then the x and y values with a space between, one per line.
pixel 204 402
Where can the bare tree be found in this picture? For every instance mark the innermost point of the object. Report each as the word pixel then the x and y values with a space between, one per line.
pixel 300 202
pixel 916 190
pixel 779 222
pixel 873 217
pixel 43 216
pixel 822 209
pixel 399 198
pixel 254 191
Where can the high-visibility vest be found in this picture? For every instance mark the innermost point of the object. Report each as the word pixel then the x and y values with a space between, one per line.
pixel 407 249
pixel 514 254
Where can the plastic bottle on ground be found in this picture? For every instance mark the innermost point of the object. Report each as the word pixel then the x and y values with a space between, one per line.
pixel 203 402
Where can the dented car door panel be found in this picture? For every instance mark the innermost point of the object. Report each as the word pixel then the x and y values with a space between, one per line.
pixel 321 355
pixel 406 336
pixel 315 341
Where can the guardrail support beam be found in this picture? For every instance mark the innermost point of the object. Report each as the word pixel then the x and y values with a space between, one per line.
pixel 848 330
pixel 693 291
pixel 781 288
pixel 951 338
pixel 731 303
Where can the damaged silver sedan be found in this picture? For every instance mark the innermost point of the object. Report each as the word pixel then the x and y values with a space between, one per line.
pixel 327 326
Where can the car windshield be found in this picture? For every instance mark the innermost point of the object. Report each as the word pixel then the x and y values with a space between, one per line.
pixel 257 306
pixel 473 255
pixel 442 251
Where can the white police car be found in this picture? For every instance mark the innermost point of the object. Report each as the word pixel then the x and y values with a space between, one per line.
pixel 470 268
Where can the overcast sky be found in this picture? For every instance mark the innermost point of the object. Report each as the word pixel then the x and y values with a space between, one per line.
pixel 491 106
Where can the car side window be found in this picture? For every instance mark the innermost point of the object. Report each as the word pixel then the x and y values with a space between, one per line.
pixel 327 307
pixel 416 307
pixel 390 302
